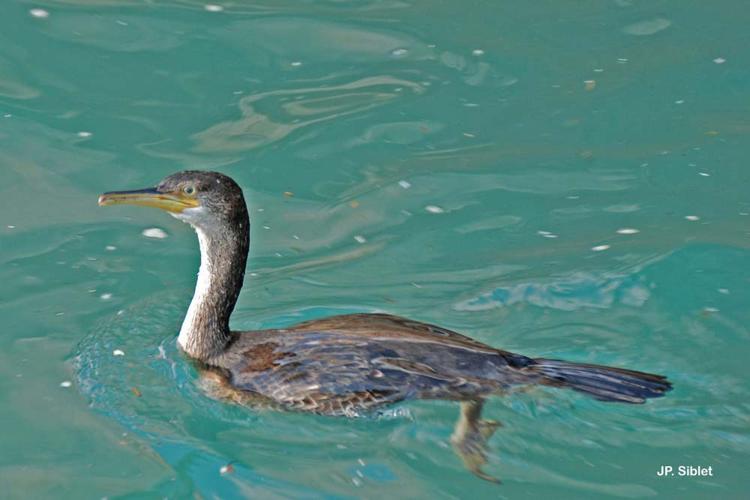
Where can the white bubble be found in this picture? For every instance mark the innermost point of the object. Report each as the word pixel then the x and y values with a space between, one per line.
pixel 110 248
pixel 213 7
pixel 66 383
pixel 404 184
pixel 105 296
pixel 477 52
pixel 399 52
pixel 296 63
pixel 118 352
pixel 704 174
pixel 154 232
pixel 546 234
pixel 84 134
pixel 360 239
pixel 692 218
pixel 434 209
pixel 600 248
pixel 720 60
pixel 622 60
pixel 627 230
pixel 39 13
pixel 680 101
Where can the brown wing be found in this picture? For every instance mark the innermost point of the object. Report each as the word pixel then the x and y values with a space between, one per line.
pixel 381 325
pixel 346 364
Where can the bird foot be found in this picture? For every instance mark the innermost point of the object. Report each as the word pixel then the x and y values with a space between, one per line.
pixel 470 438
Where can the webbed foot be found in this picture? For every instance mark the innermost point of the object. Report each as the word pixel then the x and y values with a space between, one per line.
pixel 470 438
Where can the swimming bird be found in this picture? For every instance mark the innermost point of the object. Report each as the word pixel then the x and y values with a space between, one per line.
pixel 354 363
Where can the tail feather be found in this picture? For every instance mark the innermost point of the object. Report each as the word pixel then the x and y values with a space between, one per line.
pixel 604 383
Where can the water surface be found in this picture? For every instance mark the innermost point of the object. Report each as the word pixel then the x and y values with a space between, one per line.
pixel 561 179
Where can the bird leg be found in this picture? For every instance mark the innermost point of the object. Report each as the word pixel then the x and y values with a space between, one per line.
pixel 470 437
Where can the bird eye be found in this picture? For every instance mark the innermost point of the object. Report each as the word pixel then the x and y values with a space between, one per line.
pixel 189 189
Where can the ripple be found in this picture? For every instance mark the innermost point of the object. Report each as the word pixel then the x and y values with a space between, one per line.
pixel 568 294
pixel 647 27
pixel 278 40
pixel 122 34
pixel 269 117
pixel 492 222
pixel 540 181
pixel 11 85
pixel 398 133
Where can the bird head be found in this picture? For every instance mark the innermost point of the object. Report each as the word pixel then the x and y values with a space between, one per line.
pixel 202 199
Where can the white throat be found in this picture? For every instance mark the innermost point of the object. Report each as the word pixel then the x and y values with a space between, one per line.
pixel 205 329
pixel 188 338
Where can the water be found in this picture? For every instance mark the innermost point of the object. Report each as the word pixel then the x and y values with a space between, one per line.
pixel 482 167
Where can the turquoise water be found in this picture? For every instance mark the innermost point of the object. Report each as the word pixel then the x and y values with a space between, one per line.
pixel 464 164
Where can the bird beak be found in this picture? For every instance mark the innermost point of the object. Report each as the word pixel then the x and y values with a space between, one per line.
pixel 174 202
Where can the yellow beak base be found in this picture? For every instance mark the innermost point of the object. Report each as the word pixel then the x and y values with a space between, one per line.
pixel 174 202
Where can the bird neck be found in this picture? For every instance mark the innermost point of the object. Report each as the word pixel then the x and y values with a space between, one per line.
pixel 205 331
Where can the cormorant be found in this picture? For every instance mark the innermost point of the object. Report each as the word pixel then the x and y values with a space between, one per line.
pixel 348 364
